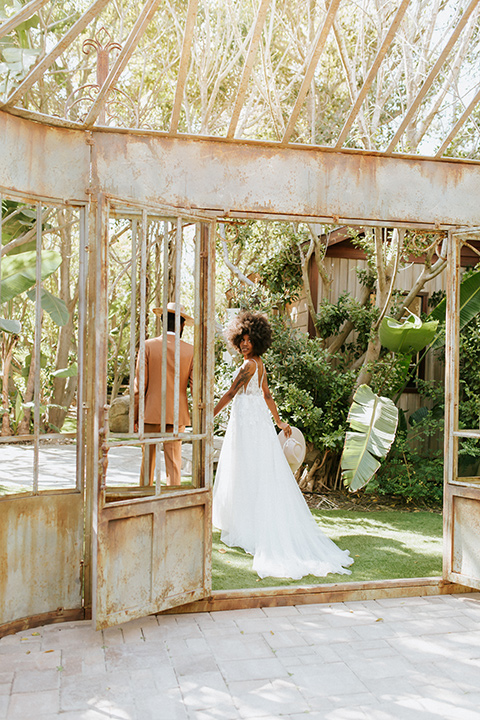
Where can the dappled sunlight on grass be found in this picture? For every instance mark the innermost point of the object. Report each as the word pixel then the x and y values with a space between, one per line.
pixel 384 545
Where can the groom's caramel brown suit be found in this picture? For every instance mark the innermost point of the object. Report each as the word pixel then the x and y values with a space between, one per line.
pixel 154 401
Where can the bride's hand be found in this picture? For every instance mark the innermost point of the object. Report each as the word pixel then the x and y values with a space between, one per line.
pixel 286 428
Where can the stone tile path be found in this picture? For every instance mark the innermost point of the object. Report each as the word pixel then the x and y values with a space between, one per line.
pixel 412 658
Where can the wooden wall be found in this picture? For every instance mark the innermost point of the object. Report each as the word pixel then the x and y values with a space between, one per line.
pixel 345 279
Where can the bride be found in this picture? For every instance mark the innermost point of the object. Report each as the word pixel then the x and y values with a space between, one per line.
pixel 257 503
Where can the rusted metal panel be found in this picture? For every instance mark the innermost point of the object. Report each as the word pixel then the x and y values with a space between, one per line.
pixel 42 161
pixel 466 534
pixel 41 544
pixel 327 593
pixel 228 177
pixel 151 555
pixel 462 551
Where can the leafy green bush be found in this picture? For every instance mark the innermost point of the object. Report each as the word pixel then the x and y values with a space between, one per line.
pixel 310 386
pixel 414 468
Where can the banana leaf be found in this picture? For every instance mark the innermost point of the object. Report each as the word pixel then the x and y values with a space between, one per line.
pixel 373 420
pixel 469 306
pixel 407 336
pixel 18 272
pixel 10 326
pixel 54 306
pixel 71 371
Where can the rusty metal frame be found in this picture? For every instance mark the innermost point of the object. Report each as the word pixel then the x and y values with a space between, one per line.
pixel 50 58
pixel 26 12
pixel 248 66
pixel 184 60
pixel 117 519
pixel 314 57
pixel 389 37
pixel 432 75
pixel 458 125
pixel 43 528
pixel 141 23
pixel 461 494
pixel 123 57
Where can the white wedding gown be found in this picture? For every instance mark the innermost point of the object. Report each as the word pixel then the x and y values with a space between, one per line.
pixel 257 503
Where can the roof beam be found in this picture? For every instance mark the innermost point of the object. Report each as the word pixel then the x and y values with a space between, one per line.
pixel 49 59
pixel 26 12
pixel 184 60
pixel 317 48
pixel 123 57
pixel 460 122
pixel 373 72
pixel 432 75
pixel 247 68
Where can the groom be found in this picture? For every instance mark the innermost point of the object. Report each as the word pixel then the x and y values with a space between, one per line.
pixel 154 399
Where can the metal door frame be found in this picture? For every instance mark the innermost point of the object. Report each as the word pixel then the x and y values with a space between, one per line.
pixel 43 530
pixel 102 514
pixel 461 510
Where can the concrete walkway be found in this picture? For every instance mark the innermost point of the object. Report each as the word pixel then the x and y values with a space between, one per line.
pixel 415 658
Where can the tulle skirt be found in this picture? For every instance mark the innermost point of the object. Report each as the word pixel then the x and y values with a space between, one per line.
pixel 258 505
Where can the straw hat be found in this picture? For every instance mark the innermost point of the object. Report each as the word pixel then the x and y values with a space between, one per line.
pixel 294 448
pixel 171 307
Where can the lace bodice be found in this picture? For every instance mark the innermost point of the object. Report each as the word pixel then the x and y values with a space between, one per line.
pixel 253 387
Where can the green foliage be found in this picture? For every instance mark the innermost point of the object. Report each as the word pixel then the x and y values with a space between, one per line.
pixel 270 252
pixel 311 388
pixel 18 272
pixel 282 272
pixel 373 422
pixel 407 336
pixel 331 316
pixel 414 468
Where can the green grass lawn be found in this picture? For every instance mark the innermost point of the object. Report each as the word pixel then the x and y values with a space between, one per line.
pixel 384 544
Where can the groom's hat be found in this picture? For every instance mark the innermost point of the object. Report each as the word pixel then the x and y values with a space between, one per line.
pixel 171 307
pixel 294 448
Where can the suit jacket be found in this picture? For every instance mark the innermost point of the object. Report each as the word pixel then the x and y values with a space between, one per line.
pixel 153 381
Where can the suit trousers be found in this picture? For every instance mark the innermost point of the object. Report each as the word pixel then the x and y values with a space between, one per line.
pixel 172 452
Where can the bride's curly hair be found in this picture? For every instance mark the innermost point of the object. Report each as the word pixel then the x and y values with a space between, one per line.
pixel 256 326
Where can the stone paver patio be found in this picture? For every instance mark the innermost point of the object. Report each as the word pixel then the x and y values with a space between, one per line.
pixel 415 658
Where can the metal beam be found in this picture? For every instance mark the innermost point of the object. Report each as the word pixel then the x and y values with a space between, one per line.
pixel 25 13
pixel 269 181
pixel 460 122
pixel 373 72
pixel 316 51
pixel 247 68
pixel 184 60
pixel 43 162
pixel 239 178
pixel 123 57
pixel 49 59
pixel 432 75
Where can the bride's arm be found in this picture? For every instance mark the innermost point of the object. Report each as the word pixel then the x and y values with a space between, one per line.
pixel 273 408
pixel 244 375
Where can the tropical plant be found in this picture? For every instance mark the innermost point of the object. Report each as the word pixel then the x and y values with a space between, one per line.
pixel 373 420
pixel 18 276
pixel 408 336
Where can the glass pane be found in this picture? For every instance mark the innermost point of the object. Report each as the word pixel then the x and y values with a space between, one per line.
pixel 469 458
